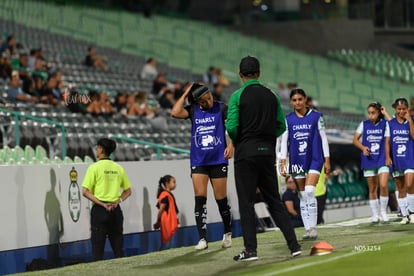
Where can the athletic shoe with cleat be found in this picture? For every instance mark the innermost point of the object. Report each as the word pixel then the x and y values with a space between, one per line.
pixel 411 218
pixel 202 244
pixel 296 253
pixel 385 218
pixel 226 240
pixel 246 256
pixel 375 220
pixel 313 234
pixel 306 235
pixel 405 220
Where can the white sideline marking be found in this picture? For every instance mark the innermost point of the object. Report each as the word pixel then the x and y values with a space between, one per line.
pixel 289 269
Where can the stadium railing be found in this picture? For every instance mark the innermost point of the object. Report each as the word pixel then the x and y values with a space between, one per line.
pixel 17 116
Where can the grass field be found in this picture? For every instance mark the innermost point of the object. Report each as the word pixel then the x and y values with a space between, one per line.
pixel 359 249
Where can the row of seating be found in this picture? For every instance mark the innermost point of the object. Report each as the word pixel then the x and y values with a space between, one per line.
pixel 38 155
pixel 196 46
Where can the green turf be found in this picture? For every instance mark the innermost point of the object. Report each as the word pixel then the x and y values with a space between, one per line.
pixel 390 246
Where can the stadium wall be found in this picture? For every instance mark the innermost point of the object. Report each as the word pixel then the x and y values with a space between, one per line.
pixel 45 216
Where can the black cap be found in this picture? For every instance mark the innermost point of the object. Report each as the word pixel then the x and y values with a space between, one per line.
pixel 198 90
pixel 400 101
pixel 249 66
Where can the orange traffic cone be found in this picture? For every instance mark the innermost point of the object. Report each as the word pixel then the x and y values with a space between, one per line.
pixel 321 248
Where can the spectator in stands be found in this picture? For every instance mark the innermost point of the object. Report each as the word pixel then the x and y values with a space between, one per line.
pixel 94 60
pixel 14 92
pixel 40 70
pixel 209 155
pixel 159 85
pixel 132 107
pixel 76 102
pixel 22 67
pixel 34 54
pixel 120 104
pixel 311 103
pixel 103 189
pixel 100 104
pixel 178 90
pixel 5 66
pixel 50 93
pixel 10 46
pixel 372 137
pixel 142 101
pixel 211 77
pixel 284 91
pixel 402 155
pixel 292 202
pixel 217 92
pixel 166 100
pixel 221 78
pixel 149 70
pixel 305 141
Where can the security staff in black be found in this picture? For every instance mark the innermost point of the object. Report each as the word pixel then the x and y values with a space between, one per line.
pixel 255 119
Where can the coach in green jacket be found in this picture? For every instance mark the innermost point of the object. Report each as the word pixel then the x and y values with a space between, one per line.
pixel 255 119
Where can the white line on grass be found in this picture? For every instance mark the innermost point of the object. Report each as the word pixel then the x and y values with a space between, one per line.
pixel 289 269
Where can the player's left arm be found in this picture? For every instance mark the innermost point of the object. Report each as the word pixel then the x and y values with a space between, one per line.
pixel 325 145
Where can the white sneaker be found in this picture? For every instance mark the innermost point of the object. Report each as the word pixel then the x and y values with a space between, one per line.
pixel 202 244
pixel 226 240
pixel 385 217
pixel 306 235
pixel 405 220
pixel 313 234
pixel 375 219
pixel 411 218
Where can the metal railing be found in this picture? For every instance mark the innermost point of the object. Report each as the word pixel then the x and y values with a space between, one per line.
pixel 157 147
pixel 17 116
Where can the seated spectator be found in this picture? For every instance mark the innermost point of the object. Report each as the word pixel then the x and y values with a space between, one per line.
pixel 34 54
pixel 49 92
pixel 133 108
pixel 5 66
pixel 120 103
pixel 178 90
pixel 22 66
pixel 167 101
pixel 94 60
pixel 76 102
pixel 159 84
pixel 142 101
pixel 292 202
pixel 149 70
pixel 10 46
pixel 40 70
pixel 15 94
pixel 100 104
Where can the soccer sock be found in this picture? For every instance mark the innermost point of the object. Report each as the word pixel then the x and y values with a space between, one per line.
pixel 225 213
pixel 383 204
pixel 200 212
pixel 373 203
pixel 304 210
pixel 312 205
pixel 402 203
pixel 410 202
